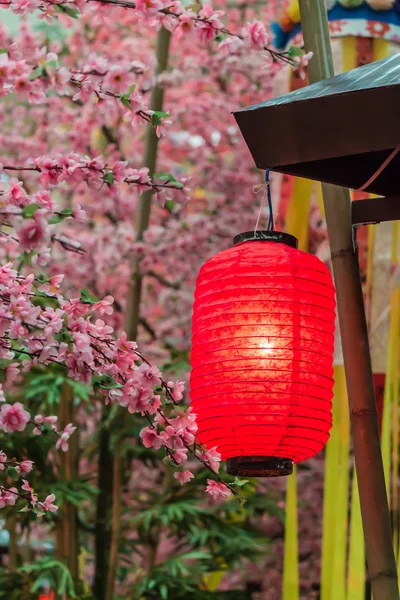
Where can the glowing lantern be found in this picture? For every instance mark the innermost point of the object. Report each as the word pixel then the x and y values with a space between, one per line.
pixel 262 353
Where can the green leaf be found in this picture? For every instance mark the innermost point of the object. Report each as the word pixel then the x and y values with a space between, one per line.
pixel 71 12
pixel 295 51
pixel 163 591
pixel 240 482
pixel 131 90
pixel 106 382
pixel 109 177
pixel 29 210
pixel 194 7
pixel 3 51
pixel 52 64
pixel 66 212
pixel 158 116
pixel 170 205
pixel 55 219
pixel 81 391
pixel 125 101
pixel 13 473
pixel 64 336
pixel 164 175
pixel 39 72
pixel 63 583
pixel 87 297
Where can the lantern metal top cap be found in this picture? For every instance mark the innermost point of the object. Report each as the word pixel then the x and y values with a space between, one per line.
pixel 266 236
pixel 340 130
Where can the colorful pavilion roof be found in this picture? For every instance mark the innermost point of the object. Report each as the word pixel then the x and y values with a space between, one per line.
pixel 372 19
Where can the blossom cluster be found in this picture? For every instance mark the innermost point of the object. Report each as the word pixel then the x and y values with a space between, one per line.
pixel 9 496
pixel 68 333
pixel 72 147
pixel 204 21
pixel 34 78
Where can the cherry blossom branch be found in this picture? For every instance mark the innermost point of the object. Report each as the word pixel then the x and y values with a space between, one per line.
pixel 210 21
pixel 175 285
pixel 108 175
pixel 205 463
pixel 9 496
pixel 276 55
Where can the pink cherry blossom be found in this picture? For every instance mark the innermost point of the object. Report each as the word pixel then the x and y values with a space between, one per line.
pixel 8 497
pixel 301 63
pixel 12 372
pixel 256 34
pixel 47 505
pixel 16 194
pixel 31 493
pixel 52 287
pixel 148 7
pixel 105 306
pixel 219 491
pixel 151 439
pixel 62 442
pixel 3 460
pixel 135 397
pixel 149 375
pixel 213 458
pixel 26 466
pixel 13 417
pixel 230 45
pixel 176 388
pixel 180 455
pixel 32 234
pixel 183 476
pixel 186 24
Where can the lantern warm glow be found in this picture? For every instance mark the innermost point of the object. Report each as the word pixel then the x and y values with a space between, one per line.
pixel 262 353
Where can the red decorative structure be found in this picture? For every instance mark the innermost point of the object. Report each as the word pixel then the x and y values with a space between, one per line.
pixel 262 354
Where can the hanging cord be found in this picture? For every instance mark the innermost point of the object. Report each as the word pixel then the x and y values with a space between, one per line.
pixel 271 213
pixel 379 171
pixel 267 192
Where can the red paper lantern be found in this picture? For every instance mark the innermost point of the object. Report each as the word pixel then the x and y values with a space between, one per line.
pixel 262 354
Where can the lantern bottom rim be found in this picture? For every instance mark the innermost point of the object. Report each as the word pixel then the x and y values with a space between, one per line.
pixel 259 466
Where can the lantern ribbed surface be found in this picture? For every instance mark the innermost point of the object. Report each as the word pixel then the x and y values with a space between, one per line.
pixel 262 352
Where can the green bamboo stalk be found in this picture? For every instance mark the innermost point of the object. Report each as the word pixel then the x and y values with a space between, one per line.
pixel 356 563
pixel 291 555
pixel 395 420
pixel 329 509
pixel 338 589
pixel 135 294
pixel 68 539
pixel 115 524
pixel 150 161
pixel 394 381
pixel 11 526
pixel 103 508
pixel 386 420
pixel 353 327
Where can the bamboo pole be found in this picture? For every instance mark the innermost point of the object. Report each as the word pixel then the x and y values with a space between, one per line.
pixel 11 527
pixel 356 562
pixel 135 294
pixel 353 328
pixel 67 530
pixel 103 508
pixel 116 526
pixel 290 584
pixel 150 159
